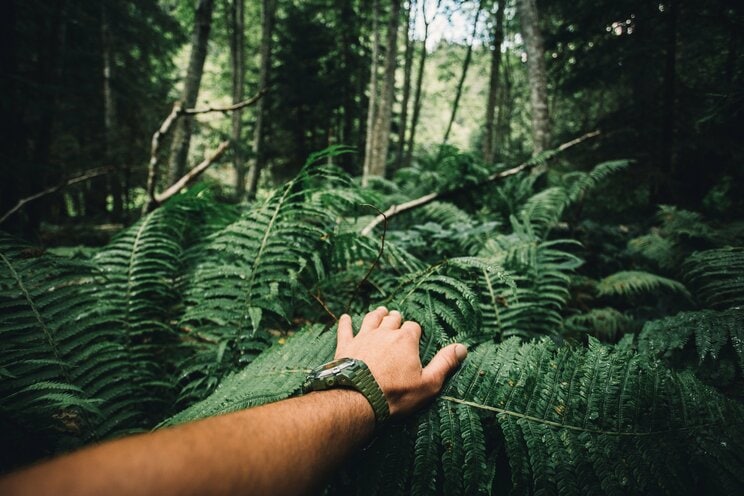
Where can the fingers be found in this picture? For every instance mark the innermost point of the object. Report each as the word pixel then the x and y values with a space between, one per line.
pixel 413 328
pixel 443 364
pixel 345 332
pixel 373 319
pixel 392 321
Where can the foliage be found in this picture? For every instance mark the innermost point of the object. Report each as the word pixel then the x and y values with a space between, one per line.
pixel 717 276
pixel 196 295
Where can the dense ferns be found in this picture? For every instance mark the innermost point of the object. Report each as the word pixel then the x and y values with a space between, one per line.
pixel 191 309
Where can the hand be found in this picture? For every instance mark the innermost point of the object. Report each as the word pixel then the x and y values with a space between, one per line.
pixel 391 351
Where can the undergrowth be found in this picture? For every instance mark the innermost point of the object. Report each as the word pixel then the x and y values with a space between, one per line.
pixel 611 378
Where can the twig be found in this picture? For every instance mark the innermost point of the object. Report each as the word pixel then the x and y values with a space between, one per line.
pixel 377 260
pixel 418 202
pixel 100 171
pixel 228 108
pixel 323 304
pixel 187 178
pixel 153 168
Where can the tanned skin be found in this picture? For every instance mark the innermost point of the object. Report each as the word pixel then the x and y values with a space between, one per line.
pixel 287 447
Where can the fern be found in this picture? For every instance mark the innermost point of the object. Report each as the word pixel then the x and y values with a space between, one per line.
pixel 258 269
pixel 717 277
pixel 710 332
pixel 572 421
pixel 70 374
pixel 531 303
pixel 607 323
pixel 631 283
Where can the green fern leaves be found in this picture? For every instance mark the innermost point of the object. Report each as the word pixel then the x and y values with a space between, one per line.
pixel 717 276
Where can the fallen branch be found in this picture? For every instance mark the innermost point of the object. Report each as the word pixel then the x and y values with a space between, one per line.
pixel 77 179
pixel 153 168
pixel 187 178
pixel 377 259
pixel 426 199
pixel 228 108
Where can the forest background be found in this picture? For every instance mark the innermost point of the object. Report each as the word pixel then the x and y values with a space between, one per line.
pixel 192 191
pixel 86 84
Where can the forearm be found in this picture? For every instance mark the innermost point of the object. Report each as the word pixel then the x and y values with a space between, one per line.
pixel 288 447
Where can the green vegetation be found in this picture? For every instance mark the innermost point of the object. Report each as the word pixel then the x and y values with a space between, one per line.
pixel 599 283
pixel 197 295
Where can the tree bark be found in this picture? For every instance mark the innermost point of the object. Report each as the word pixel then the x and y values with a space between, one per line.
pixel 668 194
pixel 268 10
pixel 387 95
pixel 109 115
pixel 182 133
pixel 419 84
pixel 463 75
pixel 237 61
pixel 372 103
pixel 407 69
pixel 493 85
pixel 529 20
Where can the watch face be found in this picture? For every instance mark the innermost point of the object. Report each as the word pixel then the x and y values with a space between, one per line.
pixel 335 367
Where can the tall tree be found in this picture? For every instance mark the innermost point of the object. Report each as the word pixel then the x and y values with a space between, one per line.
pixel 463 75
pixel 182 131
pixel 380 132
pixel 529 20
pixel 411 15
pixel 372 102
pixel 493 83
pixel 268 11
pixel 237 63
pixel 418 90
pixel 109 114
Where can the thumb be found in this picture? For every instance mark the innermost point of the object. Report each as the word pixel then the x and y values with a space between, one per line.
pixel 443 363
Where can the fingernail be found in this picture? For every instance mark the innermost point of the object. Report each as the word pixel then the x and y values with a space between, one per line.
pixel 381 308
pixel 461 351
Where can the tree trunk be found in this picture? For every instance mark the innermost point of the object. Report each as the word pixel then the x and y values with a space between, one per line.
pixel 237 62
pixel 461 82
pixel 387 95
pixel 372 103
pixel 533 41
pixel 493 84
pixel 109 116
pixel 419 84
pixel 669 188
pixel 182 132
pixel 407 69
pixel 268 9
pixel 506 108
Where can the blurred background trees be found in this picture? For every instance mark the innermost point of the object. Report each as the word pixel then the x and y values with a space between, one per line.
pixel 86 83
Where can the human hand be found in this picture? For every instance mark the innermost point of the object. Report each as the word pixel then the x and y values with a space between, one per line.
pixel 391 351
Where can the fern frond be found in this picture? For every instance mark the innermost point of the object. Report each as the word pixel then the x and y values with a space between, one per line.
pixel 606 323
pixel 587 421
pixel 717 277
pixel 709 330
pixel 636 282
pixel 71 375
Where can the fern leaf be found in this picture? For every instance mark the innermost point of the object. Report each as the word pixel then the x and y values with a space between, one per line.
pixel 717 277
pixel 636 282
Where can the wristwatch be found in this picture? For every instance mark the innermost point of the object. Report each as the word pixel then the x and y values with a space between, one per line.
pixel 353 374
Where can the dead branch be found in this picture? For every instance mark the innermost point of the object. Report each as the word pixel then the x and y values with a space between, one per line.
pixel 426 199
pixel 100 171
pixel 377 259
pixel 153 169
pixel 187 178
pixel 228 108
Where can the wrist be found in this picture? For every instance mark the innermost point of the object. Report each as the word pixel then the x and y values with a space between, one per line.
pixel 349 404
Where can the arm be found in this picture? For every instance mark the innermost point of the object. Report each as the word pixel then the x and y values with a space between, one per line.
pixel 287 447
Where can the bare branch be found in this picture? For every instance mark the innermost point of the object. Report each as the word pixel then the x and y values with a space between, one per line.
pixel 100 171
pixel 228 108
pixel 190 176
pixel 377 260
pixel 153 169
pixel 418 202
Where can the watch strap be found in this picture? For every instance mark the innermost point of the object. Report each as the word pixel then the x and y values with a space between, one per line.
pixel 357 377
